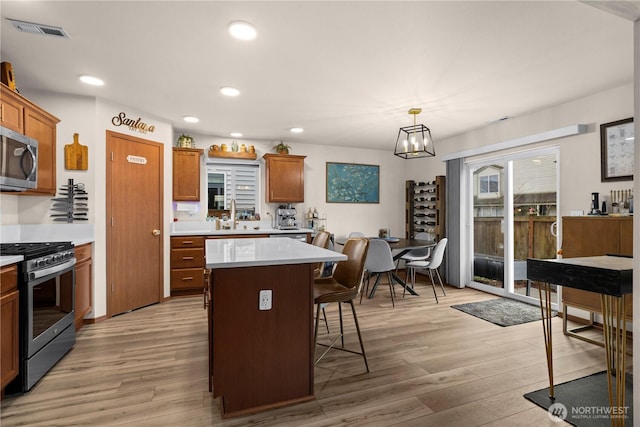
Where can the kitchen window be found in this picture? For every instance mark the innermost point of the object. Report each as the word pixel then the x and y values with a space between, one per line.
pixel 233 181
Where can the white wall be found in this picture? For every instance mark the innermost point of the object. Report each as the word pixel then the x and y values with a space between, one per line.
pixel 579 155
pixel 342 218
pixel 579 165
pixel 90 118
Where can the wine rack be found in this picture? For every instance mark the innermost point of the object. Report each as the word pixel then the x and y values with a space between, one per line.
pixel 425 208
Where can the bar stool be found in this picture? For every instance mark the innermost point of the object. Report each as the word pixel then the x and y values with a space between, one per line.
pixel 342 287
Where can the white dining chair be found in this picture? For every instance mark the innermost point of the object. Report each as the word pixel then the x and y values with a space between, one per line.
pixel 419 254
pixel 379 261
pixel 431 264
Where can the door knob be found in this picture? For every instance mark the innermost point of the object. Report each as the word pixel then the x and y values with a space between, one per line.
pixel 156 232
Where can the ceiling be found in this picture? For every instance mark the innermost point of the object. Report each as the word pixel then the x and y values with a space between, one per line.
pixel 347 72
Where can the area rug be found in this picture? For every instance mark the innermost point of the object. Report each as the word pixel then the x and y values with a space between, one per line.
pixel 502 311
pixel 585 402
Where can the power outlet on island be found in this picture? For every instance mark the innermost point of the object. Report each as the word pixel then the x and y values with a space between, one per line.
pixel 265 299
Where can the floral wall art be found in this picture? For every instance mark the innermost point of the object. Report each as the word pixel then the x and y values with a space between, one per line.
pixel 353 183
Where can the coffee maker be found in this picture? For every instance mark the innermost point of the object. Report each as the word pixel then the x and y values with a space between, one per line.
pixel 286 218
pixel 595 204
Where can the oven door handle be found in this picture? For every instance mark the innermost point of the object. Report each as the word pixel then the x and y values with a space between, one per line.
pixel 52 270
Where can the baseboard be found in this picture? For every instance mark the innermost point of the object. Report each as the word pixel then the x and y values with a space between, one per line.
pixel 95 320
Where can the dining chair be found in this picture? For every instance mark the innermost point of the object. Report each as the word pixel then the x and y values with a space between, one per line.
pixel 321 239
pixel 419 254
pixel 431 264
pixel 356 234
pixel 379 261
pixel 343 287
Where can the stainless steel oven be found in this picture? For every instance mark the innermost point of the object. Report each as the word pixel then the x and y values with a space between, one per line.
pixel 46 288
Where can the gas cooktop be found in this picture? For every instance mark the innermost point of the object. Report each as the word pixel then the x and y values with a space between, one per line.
pixel 34 249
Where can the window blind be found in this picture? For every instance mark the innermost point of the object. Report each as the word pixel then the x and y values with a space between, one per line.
pixel 241 185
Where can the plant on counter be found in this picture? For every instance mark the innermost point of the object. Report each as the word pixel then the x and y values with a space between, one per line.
pixel 282 148
pixel 185 141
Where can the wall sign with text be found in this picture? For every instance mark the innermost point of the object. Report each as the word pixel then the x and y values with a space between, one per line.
pixel 133 124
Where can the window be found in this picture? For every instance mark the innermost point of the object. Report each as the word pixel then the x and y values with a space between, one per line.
pixel 240 183
pixel 489 184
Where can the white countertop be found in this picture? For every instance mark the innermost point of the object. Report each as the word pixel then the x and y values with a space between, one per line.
pixel 10 259
pixel 232 253
pixel 78 234
pixel 248 231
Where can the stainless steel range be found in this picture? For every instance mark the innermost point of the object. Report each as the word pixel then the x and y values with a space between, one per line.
pixel 46 285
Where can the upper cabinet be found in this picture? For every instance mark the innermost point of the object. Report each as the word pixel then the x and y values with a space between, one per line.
pixel 285 178
pixel 11 110
pixel 21 115
pixel 186 174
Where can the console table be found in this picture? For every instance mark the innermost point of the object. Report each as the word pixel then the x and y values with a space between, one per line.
pixel 609 276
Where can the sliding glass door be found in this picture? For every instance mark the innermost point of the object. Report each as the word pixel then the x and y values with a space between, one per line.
pixel 513 203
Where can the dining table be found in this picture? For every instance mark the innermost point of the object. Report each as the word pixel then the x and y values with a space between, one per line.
pixel 399 247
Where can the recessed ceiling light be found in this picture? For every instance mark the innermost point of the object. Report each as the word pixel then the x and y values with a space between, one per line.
pixel 242 30
pixel 91 80
pixel 296 130
pixel 191 119
pixel 229 91
pixel 236 134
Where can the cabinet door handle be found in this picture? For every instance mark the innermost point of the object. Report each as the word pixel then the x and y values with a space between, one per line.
pixel 184 279
pixel 187 242
pixel 187 258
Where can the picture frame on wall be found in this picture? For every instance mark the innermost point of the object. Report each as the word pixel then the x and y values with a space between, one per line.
pixel 353 183
pixel 616 150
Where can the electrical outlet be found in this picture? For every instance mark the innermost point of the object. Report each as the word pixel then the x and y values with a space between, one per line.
pixel 265 299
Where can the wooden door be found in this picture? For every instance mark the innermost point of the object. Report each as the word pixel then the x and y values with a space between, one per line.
pixel 134 220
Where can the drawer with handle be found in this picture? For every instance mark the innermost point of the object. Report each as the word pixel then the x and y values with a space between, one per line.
pixel 187 258
pixel 187 242
pixel 187 278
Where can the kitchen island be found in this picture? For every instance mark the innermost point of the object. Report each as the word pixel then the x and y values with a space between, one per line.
pixel 260 307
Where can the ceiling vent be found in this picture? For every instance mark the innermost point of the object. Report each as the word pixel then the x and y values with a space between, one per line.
pixel 47 30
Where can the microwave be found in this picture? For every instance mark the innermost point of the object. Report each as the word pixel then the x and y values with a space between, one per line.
pixel 18 161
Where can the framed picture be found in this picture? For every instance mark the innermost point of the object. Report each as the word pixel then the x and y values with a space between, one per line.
pixel 616 150
pixel 353 183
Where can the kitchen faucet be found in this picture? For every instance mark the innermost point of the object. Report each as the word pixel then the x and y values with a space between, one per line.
pixel 272 225
pixel 233 214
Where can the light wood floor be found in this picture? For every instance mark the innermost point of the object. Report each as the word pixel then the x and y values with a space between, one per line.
pixel 431 365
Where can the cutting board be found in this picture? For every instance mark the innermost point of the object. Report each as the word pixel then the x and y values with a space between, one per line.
pixel 76 156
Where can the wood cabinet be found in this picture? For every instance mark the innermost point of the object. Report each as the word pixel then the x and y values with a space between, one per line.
pixel 425 208
pixel 23 116
pixel 284 175
pixel 186 174
pixel 262 359
pixel 9 356
pixel 11 110
pixel 592 236
pixel 84 267
pixel 187 265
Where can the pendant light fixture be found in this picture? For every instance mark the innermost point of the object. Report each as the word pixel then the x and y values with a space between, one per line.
pixel 414 141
